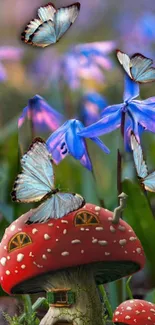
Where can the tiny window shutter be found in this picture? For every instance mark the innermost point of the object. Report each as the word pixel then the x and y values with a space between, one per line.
pixel 51 297
pixel 71 297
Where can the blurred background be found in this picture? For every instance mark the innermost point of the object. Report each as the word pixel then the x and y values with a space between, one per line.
pixel 70 88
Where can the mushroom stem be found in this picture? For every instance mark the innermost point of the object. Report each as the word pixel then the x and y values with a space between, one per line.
pixel 118 211
pixel 87 309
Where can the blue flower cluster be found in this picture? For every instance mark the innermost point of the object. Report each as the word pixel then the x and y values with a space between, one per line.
pixel 96 117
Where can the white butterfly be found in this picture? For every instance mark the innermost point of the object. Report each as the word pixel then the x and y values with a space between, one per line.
pixel 51 25
pixel 36 183
pixel 138 67
pixel 147 180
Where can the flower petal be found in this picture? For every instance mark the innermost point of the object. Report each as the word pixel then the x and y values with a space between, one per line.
pixel 131 89
pixel 85 161
pixel 75 144
pixel 101 144
pixel 145 117
pixel 107 124
pixel 57 137
pixel 42 116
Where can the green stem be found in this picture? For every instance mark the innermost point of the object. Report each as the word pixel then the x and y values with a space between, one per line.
pixel 128 288
pixel 106 300
pixel 33 308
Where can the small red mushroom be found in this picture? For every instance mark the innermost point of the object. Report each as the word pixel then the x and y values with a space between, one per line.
pixel 83 246
pixel 135 312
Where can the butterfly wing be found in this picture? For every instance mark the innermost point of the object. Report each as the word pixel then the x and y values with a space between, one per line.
pixel 56 207
pixel 36 178
pixel 44 35
pixel 64 18
pixel 124 61
pixel 30 29
pixel 149 182
pixel 138 158
pixel 140 68
pixel 47 12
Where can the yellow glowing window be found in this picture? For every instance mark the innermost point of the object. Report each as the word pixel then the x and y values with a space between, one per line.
pixel 86 218
pixel 18 241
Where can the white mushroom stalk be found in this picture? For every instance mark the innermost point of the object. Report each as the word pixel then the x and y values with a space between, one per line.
pixel 87 309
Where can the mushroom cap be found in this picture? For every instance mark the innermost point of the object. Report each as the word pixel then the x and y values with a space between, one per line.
pixel 28 253
pixel 135 311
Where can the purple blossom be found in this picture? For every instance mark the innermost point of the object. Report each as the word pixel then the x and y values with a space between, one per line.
pixel 139 115
pixel 82 61
pixel 41 115
pixel 86 61
pixel 8 53
pixel 66 140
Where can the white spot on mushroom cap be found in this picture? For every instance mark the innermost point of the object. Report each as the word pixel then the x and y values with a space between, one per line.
pixel 82 229
pixel 112 229
pixel 5 247
pixel 99 228
pixel 94 240
pixel 138 250
pixel 122 242
pixel 34 230
pixel 65 253
pixel 8 257
pixel 50 224
pixel 3 261
pixel 49 250
pixel 82 251
pixel 23 266
pixel 65 231
pixel 12 228
pixel 87 229
pixel 38 265
pixel 127 317
pixel 58 227
pixel 44 257
pixel 57 239
pixel 117 313
pixel 20 257
pixel 7 272
pixel 128 308
pixel 31 254
pixel 97 208
pixel 121 228
pixel 132 238
pixel 64 221
pixel 103 242
pixel 16 271
pixel 76 241
pixel 107 253
pixel 46 236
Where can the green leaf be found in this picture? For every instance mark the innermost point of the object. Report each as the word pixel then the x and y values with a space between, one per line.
pixel 139 215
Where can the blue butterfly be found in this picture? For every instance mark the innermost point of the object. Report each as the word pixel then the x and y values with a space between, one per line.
pixel 51 25
pixel 138 67
pixel 147 180
pixel 36 183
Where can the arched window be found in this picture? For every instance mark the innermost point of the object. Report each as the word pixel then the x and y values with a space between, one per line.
pixel 19 240
pixel 86 218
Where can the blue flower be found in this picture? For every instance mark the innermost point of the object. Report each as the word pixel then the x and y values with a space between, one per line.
pixel 66 140
pixel 41 115
pixel 139 115
pixel 92 104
